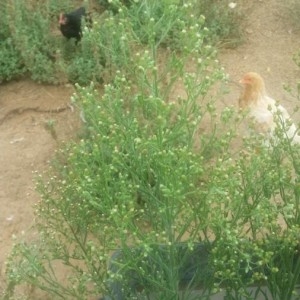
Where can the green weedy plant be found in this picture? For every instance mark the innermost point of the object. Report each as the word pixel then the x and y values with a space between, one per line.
pixel 126 182
pixel 155 22
pixel 88 63
pixel 105 48
pixel 115 5
pixel 284 266
pixel 261 214
pixel 10 59
pixel 30 35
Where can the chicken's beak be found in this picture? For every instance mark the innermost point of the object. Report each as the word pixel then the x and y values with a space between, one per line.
pixel 62 19
pixel 242 81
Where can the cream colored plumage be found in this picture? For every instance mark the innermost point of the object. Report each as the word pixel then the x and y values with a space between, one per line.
pixel 266 113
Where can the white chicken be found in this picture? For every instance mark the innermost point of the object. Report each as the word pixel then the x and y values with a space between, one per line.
pixel 269 117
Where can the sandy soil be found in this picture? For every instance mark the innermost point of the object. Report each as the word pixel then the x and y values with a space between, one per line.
pixel 27 108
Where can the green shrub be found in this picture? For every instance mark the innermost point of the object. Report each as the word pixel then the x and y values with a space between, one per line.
pixel 10 57
pixel 31 38
pixel 10 61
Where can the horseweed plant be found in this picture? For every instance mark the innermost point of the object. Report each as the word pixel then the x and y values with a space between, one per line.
pixel 128 181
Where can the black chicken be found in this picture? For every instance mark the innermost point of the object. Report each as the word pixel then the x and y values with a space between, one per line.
pixel 70 24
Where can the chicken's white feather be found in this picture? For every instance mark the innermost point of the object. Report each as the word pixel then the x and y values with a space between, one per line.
pixel 268 115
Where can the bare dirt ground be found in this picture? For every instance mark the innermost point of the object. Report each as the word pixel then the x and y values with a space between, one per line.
pixel 271 40
pixel 27 108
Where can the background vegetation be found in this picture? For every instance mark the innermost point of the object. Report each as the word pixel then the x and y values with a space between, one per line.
pixel 152 166
pixel 32 43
